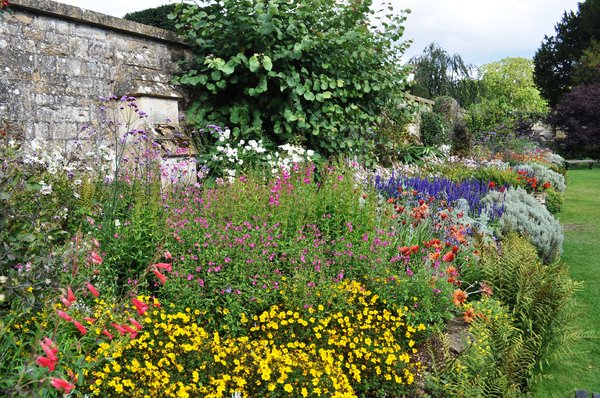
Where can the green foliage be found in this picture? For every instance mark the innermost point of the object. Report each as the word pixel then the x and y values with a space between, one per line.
pixel 438 73
pixel 588 67
pixel 434 129
pixel 508 95
pixel 462 139
pixel 525 215
pixel 538 296
pixel 554 200
pixel 313 72
pixel 559 56
pixel 543 174
pixel 157 17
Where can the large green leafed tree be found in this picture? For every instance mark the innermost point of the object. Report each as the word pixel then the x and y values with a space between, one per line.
pixel 315 71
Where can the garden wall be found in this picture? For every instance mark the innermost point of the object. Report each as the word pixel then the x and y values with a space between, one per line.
pixel 56 60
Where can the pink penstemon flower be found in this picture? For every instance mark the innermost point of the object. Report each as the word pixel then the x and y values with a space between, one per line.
pixel 92 289
pixel 61 384
pixel 140 306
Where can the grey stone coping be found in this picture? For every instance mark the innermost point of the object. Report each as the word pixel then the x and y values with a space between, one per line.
pixel 72 13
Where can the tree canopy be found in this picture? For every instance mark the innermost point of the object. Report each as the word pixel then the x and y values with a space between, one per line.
pixel 559 55
pixel 157 17
pixel 508 93
pixel 437 73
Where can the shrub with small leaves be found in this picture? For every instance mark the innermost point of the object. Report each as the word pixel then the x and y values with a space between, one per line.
pixel 525 215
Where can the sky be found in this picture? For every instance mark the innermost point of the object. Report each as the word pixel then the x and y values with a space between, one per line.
pixel 480 31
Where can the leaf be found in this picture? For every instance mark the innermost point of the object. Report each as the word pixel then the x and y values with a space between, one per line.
pixel 253 63
pixel 340 83
pixel 327 94
pixel 262 85
pixel 5 195
pixel 309 96
pixel 228 68
pixel 267 63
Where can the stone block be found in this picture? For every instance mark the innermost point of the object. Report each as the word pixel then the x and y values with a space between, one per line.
pixel 159 110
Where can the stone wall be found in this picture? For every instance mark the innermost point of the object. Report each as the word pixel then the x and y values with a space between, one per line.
pixel 57 60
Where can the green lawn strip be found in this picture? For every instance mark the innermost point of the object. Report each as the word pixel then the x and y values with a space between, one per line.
pixel 579 366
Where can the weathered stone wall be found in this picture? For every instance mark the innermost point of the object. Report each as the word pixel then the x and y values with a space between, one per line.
pixel 56 60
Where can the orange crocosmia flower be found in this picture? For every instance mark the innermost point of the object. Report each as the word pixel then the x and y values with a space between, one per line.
pixel 434 256
pixel 459 297
pixel 469 315
pixel 46 363
pixel 451 270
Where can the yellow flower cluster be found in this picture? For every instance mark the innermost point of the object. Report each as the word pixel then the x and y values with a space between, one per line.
pixel 281 352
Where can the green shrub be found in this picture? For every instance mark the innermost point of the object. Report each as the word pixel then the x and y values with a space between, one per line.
pixel 524 214
pixel 318 73
pixel 554 201
pixel 462 139
pixel 434 129
pixel 156 17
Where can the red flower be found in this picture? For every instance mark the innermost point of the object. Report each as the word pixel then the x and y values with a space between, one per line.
pixel 492 184
pixel 160 276
pixel 119 328
pixel 70 296
pixel 80 327
pixel 448 257
pixel 140 306
pixel 164 266
pixel 46 363
pixel 92 289
pixel 135 323
pixel 61 384
pixel 49 348
pixel 95 258
pixel 108 334
pixel 64 315
pixel 547 185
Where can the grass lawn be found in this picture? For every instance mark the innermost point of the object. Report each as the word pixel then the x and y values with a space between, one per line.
pixel 579 367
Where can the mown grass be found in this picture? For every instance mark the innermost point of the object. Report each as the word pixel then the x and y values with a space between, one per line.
pixel 578 367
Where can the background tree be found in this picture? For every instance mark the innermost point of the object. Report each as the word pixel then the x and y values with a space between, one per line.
pixel 508 94
pixel 437 73
pixel 559 55
pixel 318 72
pixel 157 17
pixel 578 115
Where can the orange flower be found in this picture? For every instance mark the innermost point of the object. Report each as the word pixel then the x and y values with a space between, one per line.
pixel 469 315
pixel 448 257
pixel 459 297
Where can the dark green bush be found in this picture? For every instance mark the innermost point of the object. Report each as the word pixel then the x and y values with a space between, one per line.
pixel 156 17
pixel 434 129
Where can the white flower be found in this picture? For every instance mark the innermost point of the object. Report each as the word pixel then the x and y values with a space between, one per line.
pixel 77 182
pixel 3 279
pixel 2 297
pixel 226 134
pixel 117 223
pixel 46 189
pixel 222 139
pixel 310 152
pixel 242 142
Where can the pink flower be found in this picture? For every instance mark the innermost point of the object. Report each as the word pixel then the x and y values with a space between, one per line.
pixel 160 276
pixel 49 348
pixel 61 384
pixel 46 363
pixel 64 315
pixel 135 323
pixel 168 255
pixel 165 266
pixel 119 328
pixel 107 334
pixel 95 258
pixel 92 289
pixel 70 296
pixel 80 327
pixel 140 306
pixel 65 302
